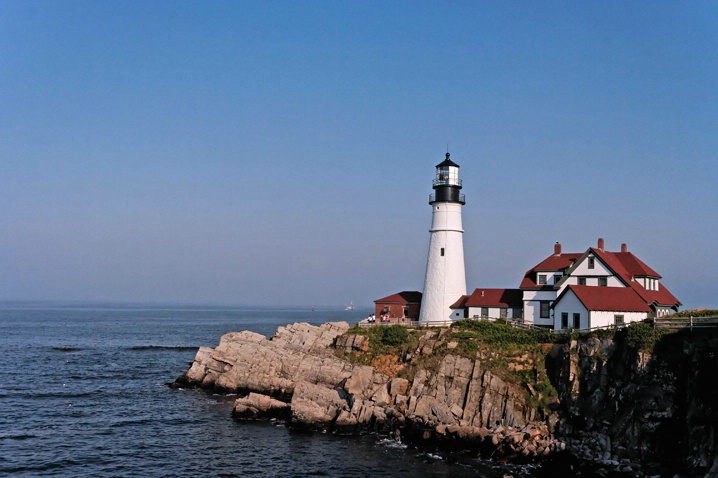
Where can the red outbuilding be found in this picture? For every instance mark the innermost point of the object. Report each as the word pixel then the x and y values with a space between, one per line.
pixel 403 305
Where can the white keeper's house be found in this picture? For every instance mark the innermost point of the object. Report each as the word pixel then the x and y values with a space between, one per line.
pixel 596 288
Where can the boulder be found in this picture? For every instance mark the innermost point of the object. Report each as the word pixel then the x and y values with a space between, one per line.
pixel 316 406
pixel 246 361
pixel 256 405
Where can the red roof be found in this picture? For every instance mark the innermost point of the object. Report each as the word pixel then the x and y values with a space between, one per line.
pixel 461 303
pixel 628 266
pixel 495 298
pixel 553 263
pixel 405 297
pixel 611 299
pixel 624 264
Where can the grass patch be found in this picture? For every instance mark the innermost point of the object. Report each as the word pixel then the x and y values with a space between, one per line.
pixel 499 333
pixel 695 313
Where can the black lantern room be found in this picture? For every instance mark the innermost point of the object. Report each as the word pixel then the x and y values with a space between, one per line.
pixel 447 185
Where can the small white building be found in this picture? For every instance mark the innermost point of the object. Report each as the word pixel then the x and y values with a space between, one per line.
pixel 584 307
pixel 489 304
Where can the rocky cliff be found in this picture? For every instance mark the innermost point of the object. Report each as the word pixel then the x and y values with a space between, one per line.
pixel 637 407
pixel 627 410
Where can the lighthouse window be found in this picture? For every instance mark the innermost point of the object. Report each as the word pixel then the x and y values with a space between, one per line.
pixel 442 252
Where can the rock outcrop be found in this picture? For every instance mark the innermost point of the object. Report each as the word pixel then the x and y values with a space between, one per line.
pixel 621 409
pixel 297 376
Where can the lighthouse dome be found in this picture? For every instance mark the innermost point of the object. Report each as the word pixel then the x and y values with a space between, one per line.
pixel 447 162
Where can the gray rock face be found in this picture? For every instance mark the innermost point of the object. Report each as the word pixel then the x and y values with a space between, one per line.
pixel 296 375
pixel 246 361
pixel 619 408
pixel 316 406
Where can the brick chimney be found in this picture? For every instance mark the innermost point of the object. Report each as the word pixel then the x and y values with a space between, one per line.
pixel 557 249
pixel 624 247
pixel 600 244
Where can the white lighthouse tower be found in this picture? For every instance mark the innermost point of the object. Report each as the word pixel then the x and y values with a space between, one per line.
pixel 445 280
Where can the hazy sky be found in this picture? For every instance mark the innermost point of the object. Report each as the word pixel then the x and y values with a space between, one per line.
pixel 283 152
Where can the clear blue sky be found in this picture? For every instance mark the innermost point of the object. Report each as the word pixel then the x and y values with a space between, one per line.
pixel 283 152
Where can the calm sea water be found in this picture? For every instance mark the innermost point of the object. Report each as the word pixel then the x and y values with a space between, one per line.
pixel 82 393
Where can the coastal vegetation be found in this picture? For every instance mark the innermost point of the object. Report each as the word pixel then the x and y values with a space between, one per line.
pixel 517 355
pixel 696 313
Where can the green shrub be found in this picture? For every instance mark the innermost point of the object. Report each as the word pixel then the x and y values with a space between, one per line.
pixel 642 336
pixel 394 335
pixel 468 347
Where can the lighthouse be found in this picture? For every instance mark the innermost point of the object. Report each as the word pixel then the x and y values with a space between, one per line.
pixel 445 280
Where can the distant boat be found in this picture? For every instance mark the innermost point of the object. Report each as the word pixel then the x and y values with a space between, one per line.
pixel 351 306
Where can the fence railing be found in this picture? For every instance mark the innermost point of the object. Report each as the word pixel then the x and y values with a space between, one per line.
pixel 685 322
pixel 406 322
pixel 660 323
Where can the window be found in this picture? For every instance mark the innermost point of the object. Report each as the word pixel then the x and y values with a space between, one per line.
pixel 576 321
pixel 603 281
pixel 652 284
pixel 484 312
pixel 564 320
pixel 503 312
pixel 442 252
pixel 556 279
pixel 581 281
pixel 517 312
pixel 542 279
pixel 406 311
pixel 545 309
pixel 591 262
pixel 618 320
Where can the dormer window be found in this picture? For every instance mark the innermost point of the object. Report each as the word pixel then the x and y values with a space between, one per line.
pixel 649 283
pixel 542 279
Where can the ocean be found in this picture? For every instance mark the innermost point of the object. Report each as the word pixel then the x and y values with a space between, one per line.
pixel 83 393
